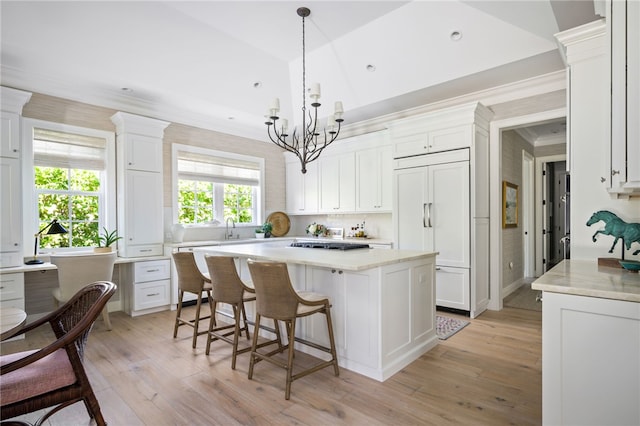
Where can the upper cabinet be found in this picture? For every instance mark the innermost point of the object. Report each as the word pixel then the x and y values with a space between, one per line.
pixel 11 243
pixel 429 133
pixel 337 180
pixel 353 175
pixel 374 177
pixel 623 36
pixel 139 184
pixel 301 189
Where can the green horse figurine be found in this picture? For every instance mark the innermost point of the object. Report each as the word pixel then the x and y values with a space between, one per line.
pixel 617 228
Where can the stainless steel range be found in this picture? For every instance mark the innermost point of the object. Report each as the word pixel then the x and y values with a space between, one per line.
pixel 329 245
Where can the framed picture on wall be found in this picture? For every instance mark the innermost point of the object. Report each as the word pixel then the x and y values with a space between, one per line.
pixel 509 205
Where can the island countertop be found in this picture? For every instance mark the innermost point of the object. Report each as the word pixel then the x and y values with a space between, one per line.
pixel 349 260
pixel 586 278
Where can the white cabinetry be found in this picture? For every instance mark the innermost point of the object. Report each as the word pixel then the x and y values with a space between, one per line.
pixel 440 202
pixel 353 175
pixel 382 317
pixel 11 244
pixel 12 293
pixel 337 181
pixel 623 30
pixel 373 179
pixel 430 133
pixel 301 189
pixel 149 291
pixel 139 152
pixel 591 359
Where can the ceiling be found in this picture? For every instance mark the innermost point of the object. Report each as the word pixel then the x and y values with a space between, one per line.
pixel 219 64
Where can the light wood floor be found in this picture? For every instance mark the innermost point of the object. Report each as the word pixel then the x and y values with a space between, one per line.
pixel 487 374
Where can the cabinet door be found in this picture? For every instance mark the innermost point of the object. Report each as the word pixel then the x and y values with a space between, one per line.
pixel 453 288
pixel 373 179
pixel 301 189
pixel 450 138
pixel 448 212
pixel 411 221
pixel 330 283
pixel 9 130
pixel 143 213
pixel 143 153
pixel 337 183
pixel 11 223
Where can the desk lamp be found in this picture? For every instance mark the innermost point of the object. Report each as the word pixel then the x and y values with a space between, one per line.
pixel 53 227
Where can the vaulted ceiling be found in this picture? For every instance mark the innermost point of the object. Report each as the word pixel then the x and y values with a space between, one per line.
pixel 219 64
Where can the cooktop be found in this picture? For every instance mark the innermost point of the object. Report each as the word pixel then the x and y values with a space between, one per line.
pixel 329 245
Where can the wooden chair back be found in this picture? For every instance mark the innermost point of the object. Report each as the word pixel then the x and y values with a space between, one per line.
pixel 189 276
pixel 275 296
pixel 227 285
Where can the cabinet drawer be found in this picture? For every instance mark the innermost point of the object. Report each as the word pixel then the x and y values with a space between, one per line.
pixel 15 303
pixel 152 270
pixel 142 250
pixel 11 286
pixel 151 294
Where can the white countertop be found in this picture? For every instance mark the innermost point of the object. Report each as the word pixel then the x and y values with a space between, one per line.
pixel 275 239
pixel 586 278
pixel 50 266
pixel 350 260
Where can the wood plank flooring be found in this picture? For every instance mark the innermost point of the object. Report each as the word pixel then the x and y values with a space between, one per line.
pixel 490 373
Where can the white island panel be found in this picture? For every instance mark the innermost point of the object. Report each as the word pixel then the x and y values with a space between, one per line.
pixel 383 301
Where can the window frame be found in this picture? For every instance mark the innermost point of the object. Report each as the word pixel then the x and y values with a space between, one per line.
pixel 107 200
pixel 259 204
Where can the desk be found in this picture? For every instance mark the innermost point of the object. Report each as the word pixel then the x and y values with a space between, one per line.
pixel 28 287
pixel 11 319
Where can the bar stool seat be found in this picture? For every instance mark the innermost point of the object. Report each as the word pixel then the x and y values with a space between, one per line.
pixel 277 299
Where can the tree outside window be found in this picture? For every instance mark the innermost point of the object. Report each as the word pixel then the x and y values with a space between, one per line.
pixel 71 196
pixel 197 202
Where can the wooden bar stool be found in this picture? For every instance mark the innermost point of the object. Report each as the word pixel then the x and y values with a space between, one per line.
pixel 191 280
pixel 277 299
pixel 230 289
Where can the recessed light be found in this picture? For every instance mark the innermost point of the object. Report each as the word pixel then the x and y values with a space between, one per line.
pixel 257 85
pixel 127 89
pixel 231 118
pixel 371 68
pixel 455 35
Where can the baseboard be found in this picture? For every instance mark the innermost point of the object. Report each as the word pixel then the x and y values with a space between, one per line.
pixel 512 287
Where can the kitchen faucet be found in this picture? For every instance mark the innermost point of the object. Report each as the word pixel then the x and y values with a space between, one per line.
pixel 227 234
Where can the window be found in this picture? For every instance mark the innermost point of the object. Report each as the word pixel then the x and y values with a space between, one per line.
pixel 214 186
pixel 73 175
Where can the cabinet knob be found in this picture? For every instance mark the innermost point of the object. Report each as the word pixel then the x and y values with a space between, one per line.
pixel 15 150
pixel 602 180
pixel 615 172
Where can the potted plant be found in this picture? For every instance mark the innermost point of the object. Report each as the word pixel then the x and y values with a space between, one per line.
pixel 259 233
pixel 105 239
pixel 267 227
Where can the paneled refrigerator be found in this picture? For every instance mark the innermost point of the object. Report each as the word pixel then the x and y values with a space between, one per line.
pixel 432 195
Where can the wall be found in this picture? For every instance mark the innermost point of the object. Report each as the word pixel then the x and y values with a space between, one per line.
pixel 60 110
pixel 512 238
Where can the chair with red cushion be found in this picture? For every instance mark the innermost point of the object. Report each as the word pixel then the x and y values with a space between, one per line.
pixel 54 376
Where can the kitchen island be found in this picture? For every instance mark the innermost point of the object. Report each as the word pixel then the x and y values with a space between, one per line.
pixel 590 344
pixel 383 301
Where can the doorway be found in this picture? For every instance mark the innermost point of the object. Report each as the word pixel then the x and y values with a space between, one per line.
pixel 555 213
pixel 495 178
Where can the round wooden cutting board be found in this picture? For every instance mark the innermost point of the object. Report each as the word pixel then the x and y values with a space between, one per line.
pixel 281 224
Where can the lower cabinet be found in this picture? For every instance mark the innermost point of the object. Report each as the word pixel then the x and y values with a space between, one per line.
pixel 591 361
pixel 150 286
pixel 452 287
pixel 12 293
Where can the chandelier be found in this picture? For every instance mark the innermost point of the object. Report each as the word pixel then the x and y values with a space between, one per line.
pixel 309 143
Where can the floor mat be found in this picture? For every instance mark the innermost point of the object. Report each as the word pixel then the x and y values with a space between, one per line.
pixel 447 326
